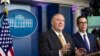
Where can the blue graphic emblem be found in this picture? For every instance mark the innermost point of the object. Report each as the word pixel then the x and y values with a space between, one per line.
pixel 22 23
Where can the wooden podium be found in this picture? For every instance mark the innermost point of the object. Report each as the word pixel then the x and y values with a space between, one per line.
pixel 93 54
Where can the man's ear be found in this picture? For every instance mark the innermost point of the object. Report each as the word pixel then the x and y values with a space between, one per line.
pixel 51 22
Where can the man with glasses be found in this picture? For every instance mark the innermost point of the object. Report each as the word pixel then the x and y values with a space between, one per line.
pixel 84 41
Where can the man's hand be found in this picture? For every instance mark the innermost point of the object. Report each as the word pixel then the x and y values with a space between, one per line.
pixel 65 48
pixel 80 51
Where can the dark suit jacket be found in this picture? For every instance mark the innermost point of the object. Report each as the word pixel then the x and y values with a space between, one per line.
pixel 80 43
pixel 49 44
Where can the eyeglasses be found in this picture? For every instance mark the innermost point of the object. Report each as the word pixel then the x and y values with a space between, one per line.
pixel 82 22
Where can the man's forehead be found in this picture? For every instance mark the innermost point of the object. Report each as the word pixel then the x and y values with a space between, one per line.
pixel 58 15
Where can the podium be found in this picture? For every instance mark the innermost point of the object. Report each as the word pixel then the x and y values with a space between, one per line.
pixel 93 54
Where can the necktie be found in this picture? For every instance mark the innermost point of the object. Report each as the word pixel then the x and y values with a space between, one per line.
pixel 62 40
pixel 85 41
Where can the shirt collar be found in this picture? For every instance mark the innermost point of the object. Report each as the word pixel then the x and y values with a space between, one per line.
pixel 57 32
pixel 81 33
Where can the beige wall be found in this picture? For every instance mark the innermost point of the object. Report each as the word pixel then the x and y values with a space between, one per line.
pixel 84 3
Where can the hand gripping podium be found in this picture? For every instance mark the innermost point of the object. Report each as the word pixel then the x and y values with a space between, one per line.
pixel 93 54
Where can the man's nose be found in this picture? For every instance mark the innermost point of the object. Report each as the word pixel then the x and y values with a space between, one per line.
pixel 60 22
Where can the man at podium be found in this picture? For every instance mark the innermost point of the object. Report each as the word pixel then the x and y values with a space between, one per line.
pixel 55 42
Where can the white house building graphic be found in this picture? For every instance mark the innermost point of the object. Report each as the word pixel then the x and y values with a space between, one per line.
pixel 20 22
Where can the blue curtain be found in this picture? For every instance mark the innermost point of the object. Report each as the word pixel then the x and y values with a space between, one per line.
pixel 67 12
pixel 51 10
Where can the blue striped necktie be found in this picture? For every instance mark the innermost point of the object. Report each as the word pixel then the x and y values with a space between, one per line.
pixel 85 41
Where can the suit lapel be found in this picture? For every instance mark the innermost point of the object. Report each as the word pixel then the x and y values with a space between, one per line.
pixel 81 40
pixel 66 37
pixel 55 38
pixel 89 37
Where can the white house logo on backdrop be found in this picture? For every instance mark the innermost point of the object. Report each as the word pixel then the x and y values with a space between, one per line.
pixel 22 23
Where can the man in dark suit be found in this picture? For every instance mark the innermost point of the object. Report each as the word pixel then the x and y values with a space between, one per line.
pixel 84 41
pixel 50 43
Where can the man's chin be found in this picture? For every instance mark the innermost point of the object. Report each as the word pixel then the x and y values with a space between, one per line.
pixel 83 30
pixel 60 29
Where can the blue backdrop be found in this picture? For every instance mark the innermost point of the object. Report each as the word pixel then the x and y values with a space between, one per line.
pixel 28 46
